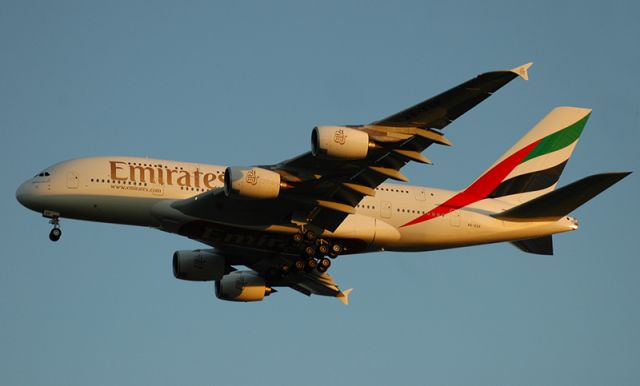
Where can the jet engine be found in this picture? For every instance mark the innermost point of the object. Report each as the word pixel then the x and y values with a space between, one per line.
pixel 256 183
pixel 242 286
pixel 339 142
pixel 198 265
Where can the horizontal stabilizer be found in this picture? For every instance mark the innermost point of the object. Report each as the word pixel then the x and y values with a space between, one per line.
pixel 539 246
pixel 559 203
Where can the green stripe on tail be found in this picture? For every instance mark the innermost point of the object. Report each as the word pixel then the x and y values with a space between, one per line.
pixel 558 140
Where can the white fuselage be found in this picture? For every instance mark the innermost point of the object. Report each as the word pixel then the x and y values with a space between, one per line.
pixel 140 191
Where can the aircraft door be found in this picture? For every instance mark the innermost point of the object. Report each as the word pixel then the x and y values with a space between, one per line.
pixel 421 195
pixel 385 209
pixel 72 180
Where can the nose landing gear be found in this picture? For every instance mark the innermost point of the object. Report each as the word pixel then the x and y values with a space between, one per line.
pixel 56 232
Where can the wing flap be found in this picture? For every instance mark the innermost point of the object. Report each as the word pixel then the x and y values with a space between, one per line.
pixel 413 156
pixel 408 132
pixel 362 189
pixel 337 206
pixel 392 173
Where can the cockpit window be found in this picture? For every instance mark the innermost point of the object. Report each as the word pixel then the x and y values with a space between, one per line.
pixel 43 174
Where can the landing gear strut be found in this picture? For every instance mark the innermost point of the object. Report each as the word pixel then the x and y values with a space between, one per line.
pixel 56 232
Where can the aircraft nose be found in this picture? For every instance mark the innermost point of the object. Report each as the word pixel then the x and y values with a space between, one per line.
pixel 25 194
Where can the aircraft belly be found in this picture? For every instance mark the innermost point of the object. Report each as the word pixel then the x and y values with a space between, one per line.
pixel 253 240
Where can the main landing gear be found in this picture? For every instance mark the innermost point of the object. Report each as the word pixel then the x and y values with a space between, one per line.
pixel 56 232
pixel 313 253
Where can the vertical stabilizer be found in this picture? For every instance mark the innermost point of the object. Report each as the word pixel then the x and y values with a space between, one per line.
pixel 532 167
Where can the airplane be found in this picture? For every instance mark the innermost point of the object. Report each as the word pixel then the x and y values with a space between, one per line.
pixel 286 222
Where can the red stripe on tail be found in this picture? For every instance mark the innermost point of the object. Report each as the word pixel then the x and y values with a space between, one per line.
pixel 480 189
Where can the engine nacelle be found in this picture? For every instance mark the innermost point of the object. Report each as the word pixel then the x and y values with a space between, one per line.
pixel 256 183
pixel 339 142
pixel 242 286
pixel 198 265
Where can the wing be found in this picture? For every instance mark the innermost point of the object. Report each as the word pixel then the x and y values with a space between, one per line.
pixel 439 111
pixel 322 192
pixel 327 190
pixel 316 283
pixel 308 283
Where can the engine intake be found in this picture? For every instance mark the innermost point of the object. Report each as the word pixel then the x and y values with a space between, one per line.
pixel 339 142
pixel 254 183
pixel 242 286
pixel 198 265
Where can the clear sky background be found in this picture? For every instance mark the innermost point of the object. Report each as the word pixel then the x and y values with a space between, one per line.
pixel 244 83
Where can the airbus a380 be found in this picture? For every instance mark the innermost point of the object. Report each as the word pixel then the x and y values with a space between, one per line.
pixel 286 222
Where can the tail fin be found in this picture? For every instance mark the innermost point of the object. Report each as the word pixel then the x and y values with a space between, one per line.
pixel 532 167
pixel 557 204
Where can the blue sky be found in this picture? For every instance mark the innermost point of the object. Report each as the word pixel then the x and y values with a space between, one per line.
pixel 244 83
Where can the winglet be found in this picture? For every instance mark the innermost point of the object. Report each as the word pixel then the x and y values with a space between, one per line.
pixel 522 71
pixel 343 296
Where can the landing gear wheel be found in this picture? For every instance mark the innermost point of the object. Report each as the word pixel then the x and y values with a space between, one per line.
pixel 310 251
pixel 324 263
pixel 310 236
pixel 55 234
pixel 298 237
pixel 298 265
pixel 285 269
pixel 311 264
pixel 323 249
pixel 335 250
